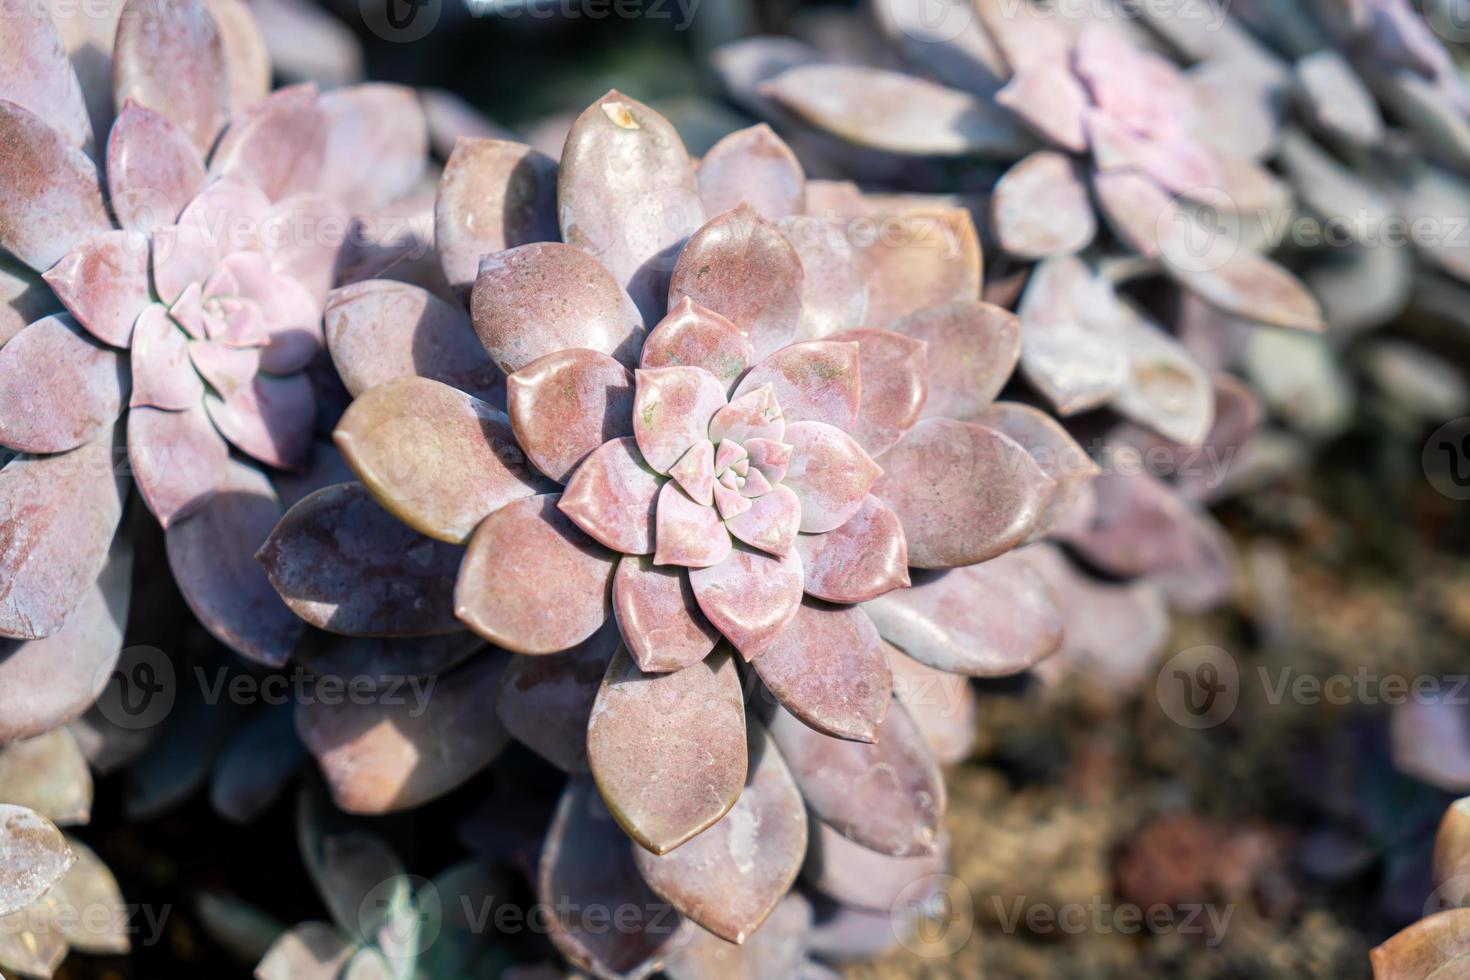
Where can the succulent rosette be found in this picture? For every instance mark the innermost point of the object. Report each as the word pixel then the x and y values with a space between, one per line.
pixel 192 279
pixel 705 459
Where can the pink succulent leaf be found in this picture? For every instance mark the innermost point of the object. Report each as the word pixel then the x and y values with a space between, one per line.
pixel 493 195
pixel 231 213
pixel 687 533
pixel 212 556
pixel 672 409
pixel 278 144
pixel 834 292
pixel 49 682
pixel 754 415
pixel 235 322
pixel 532 582
pixel 546 701
pixel 750 597
pixel 816 381
pixel 153 169
pixel 178 459
pixel 245 52
pixel 69 506
pixel 325 468
pixel 59 388
pixel 37 857
pixel 171 59
pixel 1041 207
pixel 863 878
pixel 379 330
pixel 830 474
pixel 377 143
pixel 1252 287
pixel 752 166
pixel 611 496
pixel 293 327
pixel 1179 164
pixel 627 196
pixel 694 336
pixel 1166 389
pixel 183 257
pixel 25 297
pixel 928 256
pixel 50 201
pixel 771 457
pixel 1068 352
pixel 1052 103
pixel 1027 36
pixel 658 616
pixel 986 620
pixel 862 559
pixel 728 456
pixel 1136 208
pixel 347 566
pixel 385 755
pixel 104 282
pixel 744 64
pixel 730 503
pixel 727 879
pixel 771 521
pixel 896 113
pixel 537 299
pixel 227 370
pixel 668 750
pixel 563 406
pixel 162 372
pixel 941 704
pixel 894 369
pixel 585 863
pixel 304 237
pixel 964 493
pixel 829 669
pixel 753 483
pixel 36 73
pixel 1053 449
pixel 695 472
pixel 886 795
pixel 972 349
pixel 271 420
pixel 436 458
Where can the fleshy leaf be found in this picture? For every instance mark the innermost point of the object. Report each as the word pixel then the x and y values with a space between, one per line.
pixel 1050 100
pixel 545 701
pixel 941 704
pixel 829 669
pixel 104 283
pixel 862 877
pixel 261 759
pixel 627 195
pixel 57 518
pixel 309 951
pixel 926 256
pixel 171 59
pixel 964 493
pixel 834 291
pixel 972 349
pixel 672 409
pixel 1053 449
pixel 378 330
pixel 537 299
pixel 817 381
pixel 750 597
pixel 212 558
pixel 277 145
pixel 532 582
pixel 830 474
pixel 36 74
pixel 742 267
pixel 1068 352
pixel 729 878
pixel 271 420
pixel 687 533
pixel 771 522
pixel 493 195
pixel 50 201
pixel 377 143
pixel 345 565
pixel 88 884
pixel 382 755
pixel 178 460
pixel 668 750
pixel 49 775
pixel 894 371
pixel 695 472
pixel 611 496
pixel 33 857
pixel 1166 389
pixel 248 60
pixel 563 406
pixel 776 949
pixel 1433 946
pixel 1041 208
pixel 58 387
pixel 436 458
pixel 698 337
pixel 660 620
pixel 752 166
pixel 886 795
pixel 153 169
pixel 860 560
pixel 754 416
pixel 1251 286
pixel 586 863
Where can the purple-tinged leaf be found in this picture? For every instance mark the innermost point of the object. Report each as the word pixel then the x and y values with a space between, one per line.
pixel 1053 449
pixel 246 57
pixel 259 762
pixel 171 59
pixel 750 597
pixel 611 496
pixel 104 283
pixel 752 166
pixel 927 256
pixel 695 472
pixel 687 533
pixel 58 387
pixel 377 144
pixel 829 473
pixel 531 581
pixel 941 704
pixel 1255 288
pixel 493 195
pixel 1335 98
pixel 776 949
pixel 33 857
pixel 742 267
pixel 859 876
pixel 658 616
pixel 771 522
pixel 212 557
pixel 1041 207
pixel 1069 352
pixel 545 701
pixel 382 661
pixel 730 878
pixel 1180 164
pixel 177 458
pixel 985 620
pixel 754 416
pixel 972 348
pixel 672 410
pixel 894 386
pixel 816 381
pixel 272 420
pixel 1052 103
pixel 345 565
pixel 277 145
pixel 36 74
pixel 50 201
pixel 887 795
pixel 563 406
pixel 153 169
pixel 1166 390
pixel 829 670
pixel 668 750
pixel 861 560
pixel 698 337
